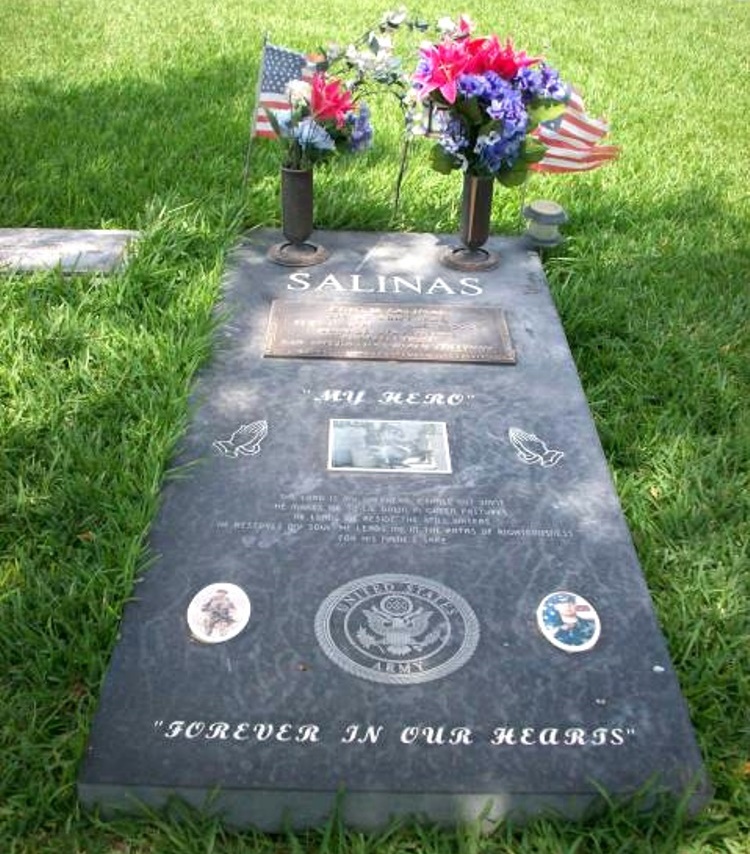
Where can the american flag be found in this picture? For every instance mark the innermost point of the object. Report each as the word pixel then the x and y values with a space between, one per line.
pixel 572 140
pixel 278 67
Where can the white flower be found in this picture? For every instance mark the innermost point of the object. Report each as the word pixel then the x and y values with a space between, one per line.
pixel 446 25
pixel 384 43
pixel 353 55
pixel 298 92
pixel 394 18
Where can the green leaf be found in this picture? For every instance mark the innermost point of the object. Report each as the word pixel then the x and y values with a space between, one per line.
pixel 441 161
pixel 373 42
pixel 514 177
pixel 488 127
pixel 532 151
pixel 271 116
pixel 544 112
pixel 471 109
pixel 323 62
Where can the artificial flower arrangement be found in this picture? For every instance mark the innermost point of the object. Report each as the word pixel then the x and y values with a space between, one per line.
pixel 490 98
pixel 323 118
pixel 314 114
pixel 371 61
pixel 326 112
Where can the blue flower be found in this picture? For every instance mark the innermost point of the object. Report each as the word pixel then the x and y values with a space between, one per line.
pixel 309 134
pixel 496 86
pixel 508 107
pixel 496 150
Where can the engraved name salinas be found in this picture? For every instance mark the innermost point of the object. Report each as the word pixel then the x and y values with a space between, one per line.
pixel 355 283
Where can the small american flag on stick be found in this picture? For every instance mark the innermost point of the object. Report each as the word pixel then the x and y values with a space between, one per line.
pixel 279 67
pixel 572 140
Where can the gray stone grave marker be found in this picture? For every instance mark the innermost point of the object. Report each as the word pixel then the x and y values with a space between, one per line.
pixel 407 579
pixel 26 250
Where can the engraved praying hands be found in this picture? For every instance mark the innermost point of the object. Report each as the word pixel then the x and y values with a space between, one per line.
pixel 531 449
pixel 245 441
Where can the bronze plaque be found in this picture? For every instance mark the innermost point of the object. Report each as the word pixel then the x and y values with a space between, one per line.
pixel 403 333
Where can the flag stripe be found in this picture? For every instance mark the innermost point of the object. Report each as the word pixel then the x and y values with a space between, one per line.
pixel 550 137
pixel 572 140
pixel 602 152
pixel 573 129
pixel 575 102
pixel 263 126
pixel 552 164
pixel 584 126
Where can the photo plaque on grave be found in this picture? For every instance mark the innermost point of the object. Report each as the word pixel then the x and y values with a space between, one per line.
pixel 395 566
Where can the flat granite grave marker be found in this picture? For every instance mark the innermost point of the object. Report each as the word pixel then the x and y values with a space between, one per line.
pixel 406 579
pixel 27 250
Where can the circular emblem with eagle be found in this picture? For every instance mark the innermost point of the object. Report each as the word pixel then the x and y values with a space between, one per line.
pixel 397 629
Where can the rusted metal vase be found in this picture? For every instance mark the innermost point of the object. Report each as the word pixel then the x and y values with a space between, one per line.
pixel 476 211
pixel 296 204
pixel 297 221
pixel 476 215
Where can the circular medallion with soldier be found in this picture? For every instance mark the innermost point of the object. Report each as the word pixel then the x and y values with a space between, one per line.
pixel 218 613
pixel 568 621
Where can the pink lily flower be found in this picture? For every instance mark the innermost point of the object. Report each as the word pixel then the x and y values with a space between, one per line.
pixel 443 64
pixel 330 100
pixel 487 54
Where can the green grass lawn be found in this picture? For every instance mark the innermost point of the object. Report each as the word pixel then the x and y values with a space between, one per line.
pixel 135 114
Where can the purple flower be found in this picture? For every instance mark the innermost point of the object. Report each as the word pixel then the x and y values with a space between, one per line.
pixel 454 139
pixel 472 85
pixel 496 150
pixel 488 92
pixel 496 85
pixel 540 83
pixel 362 129
pixel 510 110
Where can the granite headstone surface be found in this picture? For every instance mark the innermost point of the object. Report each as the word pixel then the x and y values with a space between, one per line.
pixel 25 250
pixel 408 580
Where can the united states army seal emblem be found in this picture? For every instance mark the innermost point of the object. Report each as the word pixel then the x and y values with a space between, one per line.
pixel 397 629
